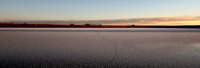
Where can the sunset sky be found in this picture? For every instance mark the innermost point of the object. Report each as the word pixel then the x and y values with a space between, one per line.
pixel 118 12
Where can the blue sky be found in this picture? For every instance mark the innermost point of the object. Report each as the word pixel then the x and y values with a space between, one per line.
pixel 95 9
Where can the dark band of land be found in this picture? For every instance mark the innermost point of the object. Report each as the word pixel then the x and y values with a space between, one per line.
pixel 25 25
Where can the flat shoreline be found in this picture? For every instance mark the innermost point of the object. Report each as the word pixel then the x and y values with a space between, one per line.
pixel 24 25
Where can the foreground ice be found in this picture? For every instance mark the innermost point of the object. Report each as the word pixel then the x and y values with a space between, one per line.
pixel 95 47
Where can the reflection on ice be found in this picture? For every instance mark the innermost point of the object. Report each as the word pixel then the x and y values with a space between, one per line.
pixel 101 30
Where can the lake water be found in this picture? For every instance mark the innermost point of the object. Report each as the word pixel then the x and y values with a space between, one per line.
pixel 99 47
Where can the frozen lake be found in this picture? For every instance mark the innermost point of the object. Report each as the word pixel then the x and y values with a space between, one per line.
pixel 99 47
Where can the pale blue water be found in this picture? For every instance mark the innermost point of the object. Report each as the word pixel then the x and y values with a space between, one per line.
pixel 99 47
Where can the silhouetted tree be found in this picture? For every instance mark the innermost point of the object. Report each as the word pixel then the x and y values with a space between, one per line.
pixel 87 24
pixel 100 25
pixel 71 24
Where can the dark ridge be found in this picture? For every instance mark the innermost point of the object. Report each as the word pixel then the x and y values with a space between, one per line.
pixel 25 25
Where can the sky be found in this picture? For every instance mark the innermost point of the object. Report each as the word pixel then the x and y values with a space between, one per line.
pixel 118 12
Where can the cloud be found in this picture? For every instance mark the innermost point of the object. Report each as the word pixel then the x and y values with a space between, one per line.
pixel 141 21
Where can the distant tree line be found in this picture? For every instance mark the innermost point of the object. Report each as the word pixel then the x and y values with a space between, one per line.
pixel 87 25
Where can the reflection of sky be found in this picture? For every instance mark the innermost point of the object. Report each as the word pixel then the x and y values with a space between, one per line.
pixel 102 30
pixel 95 10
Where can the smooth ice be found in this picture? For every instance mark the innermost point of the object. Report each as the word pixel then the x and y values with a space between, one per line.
pixel 99 47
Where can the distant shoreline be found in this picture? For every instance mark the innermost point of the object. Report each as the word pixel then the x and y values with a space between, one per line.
pixel 25 25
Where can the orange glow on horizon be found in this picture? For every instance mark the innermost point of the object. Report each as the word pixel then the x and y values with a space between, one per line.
pixel 160 23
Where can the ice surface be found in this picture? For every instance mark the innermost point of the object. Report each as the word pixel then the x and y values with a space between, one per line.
pixel 97 47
